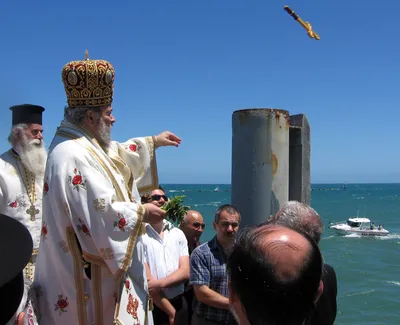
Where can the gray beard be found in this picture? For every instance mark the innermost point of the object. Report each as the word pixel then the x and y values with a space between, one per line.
pixel 105 135
pixel 33 156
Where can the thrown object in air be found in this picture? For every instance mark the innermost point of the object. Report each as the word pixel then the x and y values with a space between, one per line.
pixel 306 24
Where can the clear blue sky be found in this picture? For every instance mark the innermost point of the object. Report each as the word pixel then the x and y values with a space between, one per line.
pixel 185 66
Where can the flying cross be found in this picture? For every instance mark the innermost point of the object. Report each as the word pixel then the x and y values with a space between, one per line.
pixel 306 24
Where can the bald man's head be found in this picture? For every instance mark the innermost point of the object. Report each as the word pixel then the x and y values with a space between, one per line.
pixel 193 216
pixel 277 267
pixel 192 226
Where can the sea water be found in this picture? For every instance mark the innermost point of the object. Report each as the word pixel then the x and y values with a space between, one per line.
pixel 368 269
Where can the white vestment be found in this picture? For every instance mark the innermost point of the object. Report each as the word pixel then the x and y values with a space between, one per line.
pixel 94 197
pixel 15 202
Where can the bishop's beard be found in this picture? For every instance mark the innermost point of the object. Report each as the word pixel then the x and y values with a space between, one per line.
pixel 33 155
pixel 105 135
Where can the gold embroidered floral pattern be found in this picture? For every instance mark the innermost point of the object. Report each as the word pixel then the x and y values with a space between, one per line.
pixel 61 304
pixel 77 180
pixel 134 147
pixel 106 253
pixel 121 223
pixel 88 82
pixel 99 205
pixel 45 188
pixel 82 227
pixel 127 285
pixel 132 306
pixel 44 230
pixel 19 203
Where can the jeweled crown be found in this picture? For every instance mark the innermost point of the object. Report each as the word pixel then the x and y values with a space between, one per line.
pixel 88 83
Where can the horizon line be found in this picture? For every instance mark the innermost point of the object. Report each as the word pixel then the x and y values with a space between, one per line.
pixel 316 183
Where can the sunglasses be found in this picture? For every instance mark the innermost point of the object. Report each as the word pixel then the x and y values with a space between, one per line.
pixel 198 224
pixel 157 197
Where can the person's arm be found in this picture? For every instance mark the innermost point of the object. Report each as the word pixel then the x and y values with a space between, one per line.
pixel 209 297
pixel 140 156
pixel 200 279
pixel 177 277
pixel 159 299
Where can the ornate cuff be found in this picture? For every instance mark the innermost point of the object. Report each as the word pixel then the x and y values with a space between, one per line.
pixel 145 213
pixel 155 142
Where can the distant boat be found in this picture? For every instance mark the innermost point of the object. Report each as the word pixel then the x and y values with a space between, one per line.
pixel 344 186
pixel 359 226
pixel 216 189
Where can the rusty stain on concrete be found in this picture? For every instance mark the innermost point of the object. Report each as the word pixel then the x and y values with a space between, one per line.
pixel 274 164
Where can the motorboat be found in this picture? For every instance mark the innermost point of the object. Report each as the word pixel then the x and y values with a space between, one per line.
pixel 359 226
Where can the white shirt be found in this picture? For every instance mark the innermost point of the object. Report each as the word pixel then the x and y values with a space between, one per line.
pixel 163 254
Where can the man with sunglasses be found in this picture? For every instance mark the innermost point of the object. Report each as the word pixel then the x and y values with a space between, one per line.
pixel 208 273
pixel 167 263
pixel 192 226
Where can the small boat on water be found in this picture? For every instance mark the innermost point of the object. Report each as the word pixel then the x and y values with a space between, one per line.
pixel 359 226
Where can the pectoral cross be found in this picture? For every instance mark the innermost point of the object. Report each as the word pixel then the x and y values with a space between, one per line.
pixel 32 212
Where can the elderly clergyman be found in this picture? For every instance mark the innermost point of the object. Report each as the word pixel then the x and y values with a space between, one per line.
pixel 21 174
pixel 90 267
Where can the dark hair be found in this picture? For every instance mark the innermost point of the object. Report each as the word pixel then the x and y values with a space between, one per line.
pixel 265 296
pixel 146 198
pixel 226 207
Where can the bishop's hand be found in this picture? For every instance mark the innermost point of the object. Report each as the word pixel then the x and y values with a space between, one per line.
pixel 167 138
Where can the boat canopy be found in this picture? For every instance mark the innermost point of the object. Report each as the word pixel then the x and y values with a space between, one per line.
pixel 359 220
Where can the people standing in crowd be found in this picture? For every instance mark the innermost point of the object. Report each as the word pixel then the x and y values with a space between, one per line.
pixel 192 226
pixel 208 273
pixel 301 217
pixel 167 258
pixel 16 292
pixel 274 276
pixel 91 257
pixel 21 174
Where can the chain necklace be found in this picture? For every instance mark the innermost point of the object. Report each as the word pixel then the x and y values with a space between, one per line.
pixel 29 181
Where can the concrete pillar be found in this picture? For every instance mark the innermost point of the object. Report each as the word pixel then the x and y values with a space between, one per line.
pixel 260 163
pixel 299 159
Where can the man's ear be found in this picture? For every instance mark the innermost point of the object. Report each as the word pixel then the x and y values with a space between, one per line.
pixel 320 291
pixel 90 116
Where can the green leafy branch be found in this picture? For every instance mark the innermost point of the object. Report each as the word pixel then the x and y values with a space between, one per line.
pixel 175 210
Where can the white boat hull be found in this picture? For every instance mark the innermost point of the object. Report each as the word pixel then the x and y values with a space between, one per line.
pixel 346 230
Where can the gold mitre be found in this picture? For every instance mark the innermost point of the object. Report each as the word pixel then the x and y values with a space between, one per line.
pixel 88 83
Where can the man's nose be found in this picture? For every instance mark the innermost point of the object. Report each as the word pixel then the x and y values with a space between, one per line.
pixel 39 135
